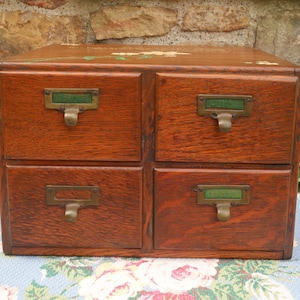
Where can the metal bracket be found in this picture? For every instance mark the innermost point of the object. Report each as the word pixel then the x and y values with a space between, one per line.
pixel 224 108
pixel 223 197
pixel 72 204
pixel 71 102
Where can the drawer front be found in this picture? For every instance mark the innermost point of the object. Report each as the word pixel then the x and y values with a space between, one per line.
pixel 184 132
pixel 115 222
pixel 109 131
pixel 181 222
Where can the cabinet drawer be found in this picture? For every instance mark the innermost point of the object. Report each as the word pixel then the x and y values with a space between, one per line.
pixel 115 222
pixel 182 223
pixel 185 135
pixel 111 131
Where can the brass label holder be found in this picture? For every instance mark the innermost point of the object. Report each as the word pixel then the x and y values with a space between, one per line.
pixel 224 108
pixel 223 197
pixel 71 102
pixel 72 204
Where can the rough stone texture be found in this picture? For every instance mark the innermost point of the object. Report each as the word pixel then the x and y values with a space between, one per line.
pixel 272 25
pixel 214 18
pixel 49 4
pixel 117 22
pixel 279 34
pixel 21 32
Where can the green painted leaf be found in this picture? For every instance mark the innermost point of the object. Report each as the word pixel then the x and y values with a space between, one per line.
pixel 120 58
pixel 145 56
pixel 36 291
pixel 89 57
pixel 263 287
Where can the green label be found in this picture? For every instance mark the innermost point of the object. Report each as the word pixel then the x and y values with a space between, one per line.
pixel 60 97
pixel 223 193
pixel 223 103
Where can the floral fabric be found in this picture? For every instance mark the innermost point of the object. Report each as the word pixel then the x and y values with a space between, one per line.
pixel 113 278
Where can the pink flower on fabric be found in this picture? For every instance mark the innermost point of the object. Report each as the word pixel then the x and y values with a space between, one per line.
pixel 179 275
pixel 113 281
pixel 159 296
pixel 8 293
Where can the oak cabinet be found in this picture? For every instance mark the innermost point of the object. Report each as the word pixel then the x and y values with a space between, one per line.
pixel 166 151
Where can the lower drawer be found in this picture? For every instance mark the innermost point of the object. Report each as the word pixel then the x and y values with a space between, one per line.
pixel 115 222
pixel 182 223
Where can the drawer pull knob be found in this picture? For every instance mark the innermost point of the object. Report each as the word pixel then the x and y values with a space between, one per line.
pixel 224 108
pixel 65 196
pixel 223 210
pixel 223 197
pixel 71 115
pixel 71 212
pixel 224 121
pixel 71 102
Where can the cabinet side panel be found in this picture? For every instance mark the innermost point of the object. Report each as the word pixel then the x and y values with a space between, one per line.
pixel 288 251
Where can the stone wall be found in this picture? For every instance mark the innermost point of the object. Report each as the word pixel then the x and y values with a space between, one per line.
pixel 271 25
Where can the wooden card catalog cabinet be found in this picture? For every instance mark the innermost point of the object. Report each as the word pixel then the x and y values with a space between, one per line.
pixel 165 151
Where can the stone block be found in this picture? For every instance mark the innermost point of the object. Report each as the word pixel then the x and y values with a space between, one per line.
pixel 279 33
pixel 23 31
pixel 116 22
pixel 214 18
pixel 49 4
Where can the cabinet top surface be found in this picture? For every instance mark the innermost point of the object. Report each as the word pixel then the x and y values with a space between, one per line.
pixel 175 55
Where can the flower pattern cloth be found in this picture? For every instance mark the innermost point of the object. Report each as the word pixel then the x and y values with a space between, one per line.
pixel 116 278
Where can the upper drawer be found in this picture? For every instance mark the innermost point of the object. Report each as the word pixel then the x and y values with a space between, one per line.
pixel 263 133
pixel 109 131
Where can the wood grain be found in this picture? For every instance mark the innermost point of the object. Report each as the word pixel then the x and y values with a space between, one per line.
pixel 147 149
pixel 116 222
pixel 181 223
pixel 183 135
pixel 111 133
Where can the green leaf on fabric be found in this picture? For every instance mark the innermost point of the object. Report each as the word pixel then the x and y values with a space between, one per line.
pixel 72 270
pixel 262 287
pixel 230 272
pixel 36 291
pixel 267 267
pixel 239 290
pixel 284 271
pixel 225 291
pixel 135 297
pixel 230 281
pixel 57 297
pixel 52 268
pixel 78 273
pixel 202 294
